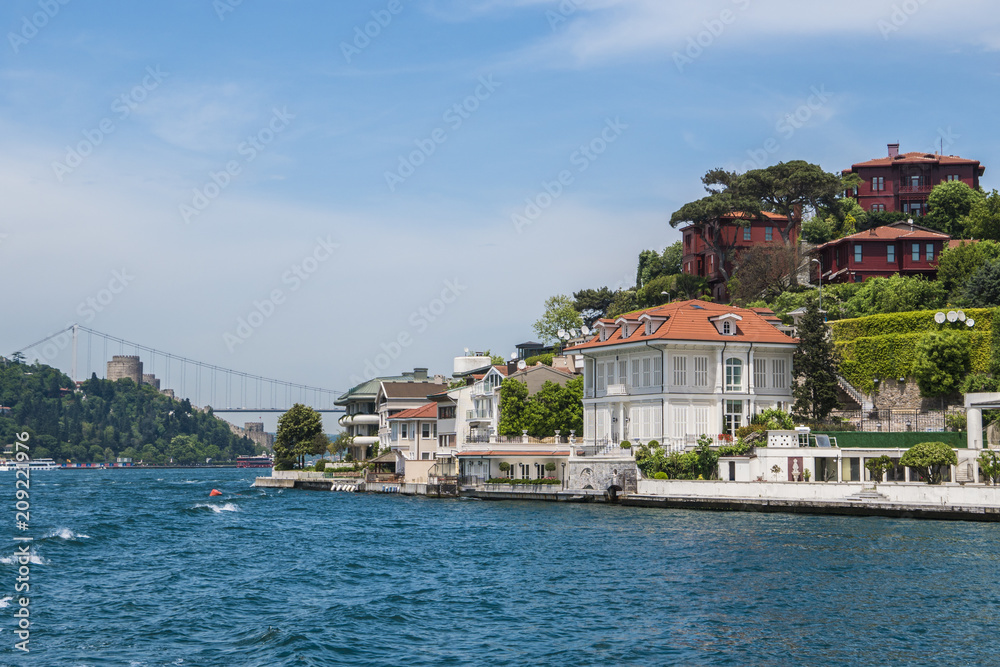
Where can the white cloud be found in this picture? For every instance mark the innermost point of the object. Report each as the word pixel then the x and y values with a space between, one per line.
pixel 596 31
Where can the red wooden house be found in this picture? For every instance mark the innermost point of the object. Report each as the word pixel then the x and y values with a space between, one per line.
pixel 700 259
pixel 901 247
pixel 902 181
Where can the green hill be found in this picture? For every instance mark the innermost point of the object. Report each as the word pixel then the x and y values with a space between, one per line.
pixel 104 420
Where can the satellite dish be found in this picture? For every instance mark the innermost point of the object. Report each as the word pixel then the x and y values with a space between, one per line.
pixel 466 351
pixel 574 333
pixel 952 316
pixel 970 322
pixel 585 329
pixel 513 356
pixel 521 365
pixel 561 333
pixel 961 315
pixel 939 318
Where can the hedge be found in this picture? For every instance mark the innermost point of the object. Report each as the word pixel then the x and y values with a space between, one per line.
pixel 883 346
pixel 901 440
pixel 902 323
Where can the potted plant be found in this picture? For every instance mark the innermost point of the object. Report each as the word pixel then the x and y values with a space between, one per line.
pixel 625 444
pixel 806 474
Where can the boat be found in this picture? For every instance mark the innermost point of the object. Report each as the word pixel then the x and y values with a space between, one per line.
pixel 33 464
pixel 263 461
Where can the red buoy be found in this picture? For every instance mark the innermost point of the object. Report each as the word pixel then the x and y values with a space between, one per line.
pixel 215 492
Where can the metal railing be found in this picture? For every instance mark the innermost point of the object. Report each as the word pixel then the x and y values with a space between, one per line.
pixel 896 420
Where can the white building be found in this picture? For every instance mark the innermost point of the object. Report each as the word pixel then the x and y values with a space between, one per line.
pixel 682 370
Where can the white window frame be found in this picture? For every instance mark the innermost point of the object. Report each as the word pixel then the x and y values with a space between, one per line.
pixel 734 374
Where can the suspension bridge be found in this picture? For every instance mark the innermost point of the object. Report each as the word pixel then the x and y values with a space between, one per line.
pixel 225 390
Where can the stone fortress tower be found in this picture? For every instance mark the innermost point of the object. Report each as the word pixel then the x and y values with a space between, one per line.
pixel 127 366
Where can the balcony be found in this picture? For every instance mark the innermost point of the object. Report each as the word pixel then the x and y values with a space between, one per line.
pixel 478 415
pixel 617 390
pixel 915 189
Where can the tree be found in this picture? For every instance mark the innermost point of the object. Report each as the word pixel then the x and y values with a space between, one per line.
pixel 763 272
pixel 341 444
pixel 559 314
pixel 895 294
pixel 689 286
pixel 788 188
pixel 949 205
pixel 624 301
pixel 513 394
pixel 592 303
pixel 983 288
pixel 878 466
pixel 319 444
pixel 815 363
pixel 652 293
pixel 941 362
pixel 957 265
pixel 297 431
pixel 929 458
pixel 817 230
pixel 989 464
pixel 653 265
pixel 984 218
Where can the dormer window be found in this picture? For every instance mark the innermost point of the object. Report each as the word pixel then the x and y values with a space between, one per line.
pixel 628 328
pixel 650 323
pixel 726 324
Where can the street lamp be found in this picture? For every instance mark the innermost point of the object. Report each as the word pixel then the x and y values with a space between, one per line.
pixel 820 272
pixel 667 294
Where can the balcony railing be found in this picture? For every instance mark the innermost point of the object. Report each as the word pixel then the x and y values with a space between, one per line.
pixel 617 390
pixel 478 415
pixel 914 189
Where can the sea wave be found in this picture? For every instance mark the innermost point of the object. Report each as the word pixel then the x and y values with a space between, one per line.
pixel 5 601
pixel 35 560
pixel 228 507
pixel 66 534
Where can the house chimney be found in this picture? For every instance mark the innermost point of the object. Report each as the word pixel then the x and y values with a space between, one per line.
pixel 893 150
pixel 871 232
pixel 420 374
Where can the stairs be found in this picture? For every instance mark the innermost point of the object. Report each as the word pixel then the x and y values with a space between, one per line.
pixel 850 393
pixel 868 494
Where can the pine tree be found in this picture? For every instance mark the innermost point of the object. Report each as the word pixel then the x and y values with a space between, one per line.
pixel 816 365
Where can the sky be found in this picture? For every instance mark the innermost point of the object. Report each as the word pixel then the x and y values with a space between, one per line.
pixel 318 191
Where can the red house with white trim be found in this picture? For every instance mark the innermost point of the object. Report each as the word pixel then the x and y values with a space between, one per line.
pixel 901 247
pixel 902 181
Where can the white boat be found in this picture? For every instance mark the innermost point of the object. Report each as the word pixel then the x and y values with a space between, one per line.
pixel 34 464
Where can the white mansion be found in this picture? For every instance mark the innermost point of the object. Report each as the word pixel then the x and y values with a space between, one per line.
pixel 682 370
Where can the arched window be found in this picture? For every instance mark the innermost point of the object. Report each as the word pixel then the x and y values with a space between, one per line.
pixel 734 374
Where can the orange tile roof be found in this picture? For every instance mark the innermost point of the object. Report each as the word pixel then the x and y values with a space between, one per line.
pixel 914 157
pixel 690 321
pixel 428 411
pixel 891 232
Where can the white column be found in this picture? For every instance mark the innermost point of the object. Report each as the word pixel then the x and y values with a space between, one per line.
pixel 975 426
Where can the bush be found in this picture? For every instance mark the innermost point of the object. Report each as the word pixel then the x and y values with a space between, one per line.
pixel 929 458
pixel 660 475
pixel 956 421
pixel 320 465
pixel 653 444
pixel 283 464
pixel 504 466
pixel 524 482
pixel 625 444
pixel 550 466
pixel 544 358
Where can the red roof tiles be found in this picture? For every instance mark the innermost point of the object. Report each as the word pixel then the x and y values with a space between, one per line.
pixel 428 411
pixel 691 321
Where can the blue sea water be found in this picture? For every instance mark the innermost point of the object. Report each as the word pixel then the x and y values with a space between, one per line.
pixel 142 567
